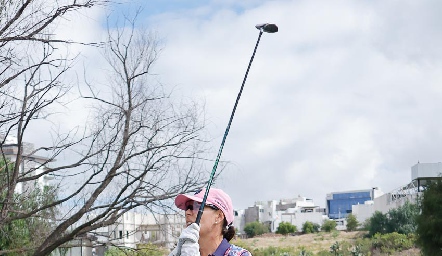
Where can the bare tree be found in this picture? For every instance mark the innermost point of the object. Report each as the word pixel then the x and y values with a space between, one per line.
pixel 138 149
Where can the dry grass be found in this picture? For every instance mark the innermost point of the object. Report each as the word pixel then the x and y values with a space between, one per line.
pixel 312 242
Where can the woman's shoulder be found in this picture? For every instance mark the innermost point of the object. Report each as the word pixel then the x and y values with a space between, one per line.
pixel 237 251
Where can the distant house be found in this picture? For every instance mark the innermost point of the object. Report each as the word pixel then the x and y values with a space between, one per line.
pixel 339 204
pixel 30 165
pixel 421 175
pixel 295 211
pixel 133 229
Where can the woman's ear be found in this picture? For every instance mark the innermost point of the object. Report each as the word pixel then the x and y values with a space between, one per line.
pixel 220 217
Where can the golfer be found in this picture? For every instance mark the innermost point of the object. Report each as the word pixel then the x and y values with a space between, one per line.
pixel 215 231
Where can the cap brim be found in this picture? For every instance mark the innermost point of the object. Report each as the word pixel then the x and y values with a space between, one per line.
pixel 181 200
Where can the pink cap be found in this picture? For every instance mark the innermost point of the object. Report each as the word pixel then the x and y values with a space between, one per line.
pixel 215 197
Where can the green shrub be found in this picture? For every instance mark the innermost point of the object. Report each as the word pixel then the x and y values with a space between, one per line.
pixel 401 220
pixel 310 227
pixel 285 228
pixel 352 222
pixel 377 224
pixel 329 225
pixel 316 227
pixel 392 242
pixel 429 222
pixel 363 245
pixel 335 249
pixel 255 229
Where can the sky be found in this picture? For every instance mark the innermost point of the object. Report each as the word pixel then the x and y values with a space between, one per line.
pixel 346 96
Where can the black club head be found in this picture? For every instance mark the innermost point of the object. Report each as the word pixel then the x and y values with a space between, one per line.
pixel 267 27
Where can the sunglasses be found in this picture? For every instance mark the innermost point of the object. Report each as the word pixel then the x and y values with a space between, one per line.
pixel 195 206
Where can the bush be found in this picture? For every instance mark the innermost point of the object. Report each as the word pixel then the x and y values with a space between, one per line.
pixel 362 246
pixel 285 228
pixel 316 227
pixel 310 227
pixel 255 229
pixel 377 224
pixel 329 226
pixel 430 221
pixel 352 222
pixel 403 219
pixel 392 242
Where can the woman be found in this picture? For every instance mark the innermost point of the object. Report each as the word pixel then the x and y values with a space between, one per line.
pixel 215 231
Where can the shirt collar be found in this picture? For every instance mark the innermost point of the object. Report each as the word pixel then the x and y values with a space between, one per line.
pixel 222 248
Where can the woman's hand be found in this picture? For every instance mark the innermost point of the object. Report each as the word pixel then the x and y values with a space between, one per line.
pixel 188 241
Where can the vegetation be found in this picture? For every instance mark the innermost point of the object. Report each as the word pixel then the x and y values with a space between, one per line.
pixel 128 143
pixel 345 244
pixel 392 242
pixel 377 224
pixel 328 225
pixel 286 228
pixel 310 227
pixel 352 222
pixel 24 233
pixel 386 234
pixel 429 223
pixel 147 250
pixel 401 220
pixel 255 229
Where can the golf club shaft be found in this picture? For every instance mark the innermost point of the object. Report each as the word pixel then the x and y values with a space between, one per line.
pixel 209 183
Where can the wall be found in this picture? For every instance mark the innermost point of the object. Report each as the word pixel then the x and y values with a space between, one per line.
pixel 299 218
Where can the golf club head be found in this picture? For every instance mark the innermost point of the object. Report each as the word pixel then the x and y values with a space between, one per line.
pixel 267 27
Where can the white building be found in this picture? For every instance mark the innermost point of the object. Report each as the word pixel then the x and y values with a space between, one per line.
pixel 30 165
pixel 298 211
pixel 133 229
pixel 421 173
pixel 295 211
pixel 239 221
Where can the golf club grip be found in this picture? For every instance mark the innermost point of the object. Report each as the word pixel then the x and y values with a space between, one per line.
pixel 209 184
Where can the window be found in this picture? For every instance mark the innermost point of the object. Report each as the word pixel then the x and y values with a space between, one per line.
pixel 121 234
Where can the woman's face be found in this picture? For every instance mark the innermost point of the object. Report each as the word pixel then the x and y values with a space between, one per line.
pixel 211 217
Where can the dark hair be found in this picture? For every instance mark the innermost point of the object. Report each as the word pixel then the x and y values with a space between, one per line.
pixel 228 231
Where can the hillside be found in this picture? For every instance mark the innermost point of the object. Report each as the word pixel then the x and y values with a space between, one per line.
pixel 310 242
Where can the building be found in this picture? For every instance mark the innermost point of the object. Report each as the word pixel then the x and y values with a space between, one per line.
pixel 31 164
pixel 339 204
pixel 295 211
pixel 239 221
pixel 421 174
pixel 133 229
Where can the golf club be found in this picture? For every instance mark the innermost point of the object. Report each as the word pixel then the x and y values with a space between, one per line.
pixel 266 27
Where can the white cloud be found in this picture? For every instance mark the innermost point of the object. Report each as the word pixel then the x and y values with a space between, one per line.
pixel 343 97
